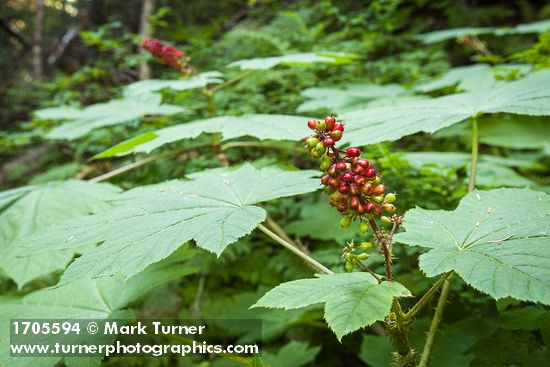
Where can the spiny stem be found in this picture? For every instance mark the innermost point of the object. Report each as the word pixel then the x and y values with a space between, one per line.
pixel 418 306
pixel 427 351
pixel 308 259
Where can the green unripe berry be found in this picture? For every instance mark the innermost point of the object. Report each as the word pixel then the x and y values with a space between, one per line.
pixel 326 162
pixel 349 267
pixel 363 227
pixel 315 153
pixel 321 125
pixel 349 257
pixel 311 142
pixel 363 256
pixel 378 198
pixel 385 219
pixel 365 245
pixel 345 222
pixel 335 196
pixel 390 198
pixel 320 147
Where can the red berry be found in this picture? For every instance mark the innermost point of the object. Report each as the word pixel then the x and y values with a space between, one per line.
pixel 361 209
pixel 334 181
pixel 354 189
pixel 331 202
pixel 357 170
pixel 343 187
pixel 353 152
pixel 348 177
pixel 366 189
pixel 379 190
pixel 328 142
pixel 359 180
pixel 364 163
pixel 341 166
pixel 369 207
pixel 338 126
pixel 332 170
pixel 369 172
pixel 354 202
pixel 330 121
pixel 312 124
pixel 342 207
pixel 325 179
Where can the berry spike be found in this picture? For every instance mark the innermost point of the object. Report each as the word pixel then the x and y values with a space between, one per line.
pixel 355 187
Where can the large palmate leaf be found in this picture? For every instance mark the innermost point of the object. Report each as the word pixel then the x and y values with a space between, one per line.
pixel 279 127
pixel 492 171
pixel 438 36
pixel 349 98
pixel 302 59
pixel 215 208
pixel 498 241
pixel 96 299
pixel 25 210
pixel 153 85
pixel 528 96
pixel 110 113
pixel 352 300
pixel 470 78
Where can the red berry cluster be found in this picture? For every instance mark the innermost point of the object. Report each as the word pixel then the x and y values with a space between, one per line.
pixel 170 55
pixel 353 184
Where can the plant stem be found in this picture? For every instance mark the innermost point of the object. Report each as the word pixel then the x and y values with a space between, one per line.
pixel 231 81
pixel 427 351
pixel 418 306
pixel 145 161
pixel 308 259
pixel 475 156
pixel 371 272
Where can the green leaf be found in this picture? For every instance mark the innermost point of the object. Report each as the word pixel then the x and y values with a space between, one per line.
pixel 497 241
pixel 446 34
pixel 35 207
pixel 352 97
pixel 57 113
pixel 154 85
pixel 293 354
pixel 301 59
pixel 469 78
pixel 112 113
pixel 215 208
pixel 279 127
pixel 492 171
pixel 352 300
pixel 524 318
pixel 528 96
pixel 98 299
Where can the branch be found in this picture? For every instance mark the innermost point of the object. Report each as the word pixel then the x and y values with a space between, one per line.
pixel 17 36
pixel 427 351
pixel 418 306
pixel 308 259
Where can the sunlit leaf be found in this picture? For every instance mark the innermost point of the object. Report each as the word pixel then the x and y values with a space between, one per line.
pixel 497 241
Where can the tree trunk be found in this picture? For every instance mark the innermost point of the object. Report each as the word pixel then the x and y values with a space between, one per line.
pixel 37 39
pixel 147 8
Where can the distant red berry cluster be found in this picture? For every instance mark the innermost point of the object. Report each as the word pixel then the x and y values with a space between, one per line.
pixel 170 55
pixel 353 184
